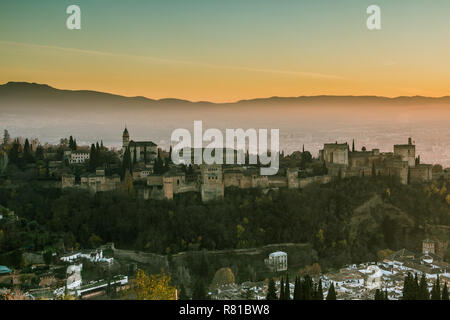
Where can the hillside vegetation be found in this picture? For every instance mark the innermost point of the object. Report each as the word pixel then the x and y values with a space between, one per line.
pixel 348 220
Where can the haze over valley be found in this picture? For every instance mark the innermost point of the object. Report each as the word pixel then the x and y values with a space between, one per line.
pixel 32 110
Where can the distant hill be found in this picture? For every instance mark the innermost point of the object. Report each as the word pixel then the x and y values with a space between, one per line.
pixel 24 95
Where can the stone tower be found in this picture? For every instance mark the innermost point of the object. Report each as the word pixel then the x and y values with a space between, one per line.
pixel 212 186
pixel 125 138
pixel 407 152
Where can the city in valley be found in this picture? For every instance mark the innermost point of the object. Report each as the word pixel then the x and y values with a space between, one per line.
pixel 383 239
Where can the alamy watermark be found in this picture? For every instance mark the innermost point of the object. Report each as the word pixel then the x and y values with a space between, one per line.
pixel 235 147
pixel 374 20
pixel 73 21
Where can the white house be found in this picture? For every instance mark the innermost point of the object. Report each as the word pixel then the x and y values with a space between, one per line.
pixel 277 261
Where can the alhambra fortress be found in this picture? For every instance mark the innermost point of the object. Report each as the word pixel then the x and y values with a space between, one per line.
pixel 338 159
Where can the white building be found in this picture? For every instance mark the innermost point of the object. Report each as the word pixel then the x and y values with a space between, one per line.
pixel 71 257
pixel 91 255
pixel 77 157
pixel 277 261
pixel 74 276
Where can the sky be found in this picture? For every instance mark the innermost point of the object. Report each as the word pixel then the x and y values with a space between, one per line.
pixel 224 51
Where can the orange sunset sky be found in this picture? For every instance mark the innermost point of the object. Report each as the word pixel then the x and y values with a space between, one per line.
pixel 224 51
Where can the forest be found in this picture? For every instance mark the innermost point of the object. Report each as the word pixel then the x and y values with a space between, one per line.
pixel 341 220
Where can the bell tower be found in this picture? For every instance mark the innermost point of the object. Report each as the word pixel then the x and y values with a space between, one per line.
pixel 125 138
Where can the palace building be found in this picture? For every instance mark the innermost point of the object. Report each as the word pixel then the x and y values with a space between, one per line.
pixel 143 151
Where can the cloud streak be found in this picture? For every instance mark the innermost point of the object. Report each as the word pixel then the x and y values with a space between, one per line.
pixel 176 61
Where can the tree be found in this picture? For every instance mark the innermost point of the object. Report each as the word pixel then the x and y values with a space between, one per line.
pixel 6 137
pixel 436 291
pixel 199 292
pixel 331 292
pixel 271 291
pixel 297 288
pixel 282 289
pixel 423 289
pixel 183 293
pixel 92 158
pixel 320 291
pixel 39 153
pixel 95 240
pixel 445 292
pixel 126 162
pixel 222 277
pixel 379 295
pixel 153 287
pixel 353 145
pixel 3 161
pixel 307 286
pixel 47 257
pixel 287 289
pixel 13 154
pixel 27 156
pixel 410 287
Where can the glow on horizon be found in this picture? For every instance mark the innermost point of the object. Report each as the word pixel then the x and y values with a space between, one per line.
pixel 227 51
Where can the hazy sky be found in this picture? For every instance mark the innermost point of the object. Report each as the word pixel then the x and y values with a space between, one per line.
pixel 229 49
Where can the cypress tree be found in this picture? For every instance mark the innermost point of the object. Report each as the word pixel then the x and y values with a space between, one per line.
pixel 27 156
pixel 378 295
pixel 92 158
pixel 126 162
pixel 320 291
pixel 353 145
pixel 409 290
pixel 416 286
pixel 6 137
pixel 423 289
pixel 308 289
pixel 39 152
pixel 445 292
pixel 287 289
pixel 436 292
pixel 438 287
pixel 331 293
pixel 296 287
pixel 13 153
pixel 282 289
pixel 271 291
